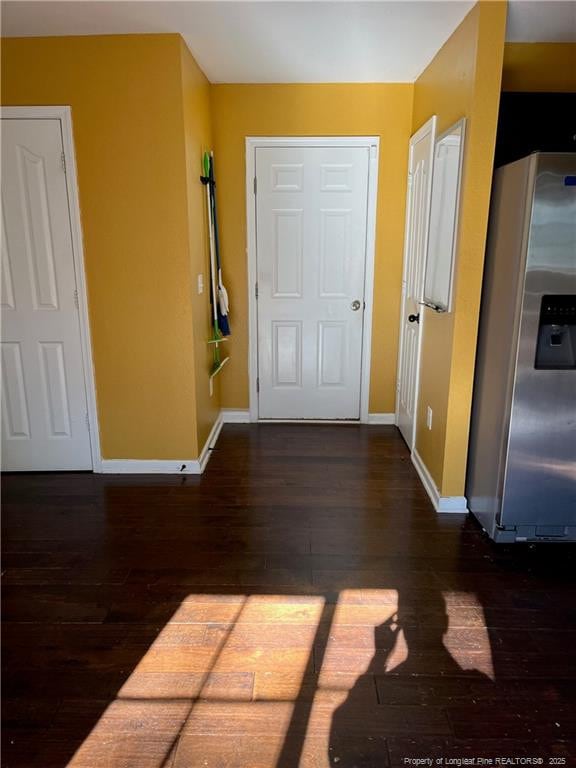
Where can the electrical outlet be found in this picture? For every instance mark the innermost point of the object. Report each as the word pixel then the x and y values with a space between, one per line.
pixel 200 284
pixel 429 417
pixel 211 385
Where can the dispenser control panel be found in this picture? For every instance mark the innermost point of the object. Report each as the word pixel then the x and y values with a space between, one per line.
pixel 556 346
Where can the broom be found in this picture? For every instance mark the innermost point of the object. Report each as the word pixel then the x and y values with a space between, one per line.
pixel 217 363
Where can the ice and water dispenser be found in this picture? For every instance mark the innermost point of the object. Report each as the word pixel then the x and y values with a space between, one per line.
pixel 556 346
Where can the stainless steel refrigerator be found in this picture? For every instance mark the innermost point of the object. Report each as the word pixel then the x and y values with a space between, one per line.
pixel 521 482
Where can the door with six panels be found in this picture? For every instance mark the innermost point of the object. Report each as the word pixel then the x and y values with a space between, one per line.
pixel 311 227
pixel 44 409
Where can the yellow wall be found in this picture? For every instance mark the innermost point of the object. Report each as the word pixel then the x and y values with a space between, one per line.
pixel 143 113
pixel 314 110
pixel 463 79
pixel 198 139
pixel 126 96
pixel 539 67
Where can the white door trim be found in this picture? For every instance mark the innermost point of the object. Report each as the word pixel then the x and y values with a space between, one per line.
pixel 429 127
pixel 64 114
pixel 253 143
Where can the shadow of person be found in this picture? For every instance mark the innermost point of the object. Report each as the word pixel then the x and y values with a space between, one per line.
pixel 416 678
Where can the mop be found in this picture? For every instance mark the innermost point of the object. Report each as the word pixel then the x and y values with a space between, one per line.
pixel 217 337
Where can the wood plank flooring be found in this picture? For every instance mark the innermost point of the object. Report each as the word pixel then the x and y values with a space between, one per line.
pixel 300 604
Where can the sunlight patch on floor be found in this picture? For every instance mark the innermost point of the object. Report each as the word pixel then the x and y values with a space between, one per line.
pixel 234 680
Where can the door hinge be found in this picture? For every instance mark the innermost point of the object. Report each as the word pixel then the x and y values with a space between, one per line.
pixel 63 161
pixel 256 289
pixel 258 385
pixel 76 304
pixel 255 185
pixel 87 421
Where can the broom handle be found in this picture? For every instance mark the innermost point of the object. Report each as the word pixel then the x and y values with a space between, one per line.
pixel 212 264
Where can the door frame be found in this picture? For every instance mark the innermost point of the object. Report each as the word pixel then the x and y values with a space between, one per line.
pixel 429 127
pixel 64 115
pixel 252 144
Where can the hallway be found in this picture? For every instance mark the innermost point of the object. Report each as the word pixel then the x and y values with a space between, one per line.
pixel 299 604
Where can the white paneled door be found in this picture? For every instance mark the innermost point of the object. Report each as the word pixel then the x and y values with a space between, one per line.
pixel 44 408
pixel 311 228
pixel 416 238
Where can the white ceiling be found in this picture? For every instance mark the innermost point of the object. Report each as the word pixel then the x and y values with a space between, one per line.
pixel 268 42
pixel 290 42
pixel 532 21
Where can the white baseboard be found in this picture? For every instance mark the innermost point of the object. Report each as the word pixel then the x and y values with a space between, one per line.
pixel 165 466
pixel 457 504
pixel 234 416
pixel 426 478
pixel 210 443
pixel 382 418
pixel 150 466
pixel 441 504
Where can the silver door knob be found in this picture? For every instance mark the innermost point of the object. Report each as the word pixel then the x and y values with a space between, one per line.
pixel 356 305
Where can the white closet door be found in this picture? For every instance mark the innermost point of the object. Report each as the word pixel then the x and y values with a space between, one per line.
pixel 311 218
pixel 44 413
pixel 416 239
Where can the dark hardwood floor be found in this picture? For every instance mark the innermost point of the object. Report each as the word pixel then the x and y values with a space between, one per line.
pixel 301 604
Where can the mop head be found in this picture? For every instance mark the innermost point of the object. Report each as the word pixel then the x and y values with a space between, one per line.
pixel 223 324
